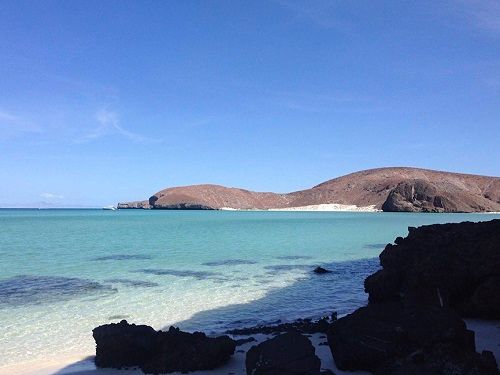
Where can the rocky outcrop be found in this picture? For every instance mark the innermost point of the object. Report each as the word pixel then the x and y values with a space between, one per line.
pixel 390 189
pixel 128 345
pixel 454 265
pixel 392 339
pixel 289 353
pixel 418 196
pixel 412 324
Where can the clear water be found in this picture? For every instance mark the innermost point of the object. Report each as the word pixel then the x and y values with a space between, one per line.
pixel 64 272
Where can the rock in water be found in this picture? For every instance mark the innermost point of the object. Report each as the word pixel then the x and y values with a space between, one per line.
pixel 391 339
pixel 126 345
pixel 287 354
pixel 455 265
pixel 321 270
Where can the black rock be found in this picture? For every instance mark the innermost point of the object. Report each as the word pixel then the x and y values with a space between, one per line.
pixel 123 345
pixel 390 338
pixel 453 265
pixel 300 325
pixel 321 270
pixel 126 345
pixel 287 354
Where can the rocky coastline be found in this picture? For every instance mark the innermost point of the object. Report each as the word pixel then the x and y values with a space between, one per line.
pixel 413 324
pixel 396 189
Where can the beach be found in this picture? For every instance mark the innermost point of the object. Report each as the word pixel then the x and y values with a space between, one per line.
pixel 487 337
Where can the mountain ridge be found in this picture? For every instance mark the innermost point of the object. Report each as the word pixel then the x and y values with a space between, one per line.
pixel 394 189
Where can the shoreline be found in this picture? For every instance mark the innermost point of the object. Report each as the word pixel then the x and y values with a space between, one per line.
pixel 487 337
pixel 325 207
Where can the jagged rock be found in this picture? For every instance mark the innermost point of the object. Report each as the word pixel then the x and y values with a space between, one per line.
pixel 444 359
pixel 453 265
pixel 417 196
pixel 389 338
pixel 286 354
pixel 300 325
pixel 321 270
pixel 182 351
pixel 126 345
pixel 123 345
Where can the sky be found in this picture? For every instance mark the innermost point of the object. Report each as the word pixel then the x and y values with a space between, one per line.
pixel 108 101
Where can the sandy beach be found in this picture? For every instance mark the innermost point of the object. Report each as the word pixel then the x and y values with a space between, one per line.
pixel 487 334
pixel 328 207
pixel 236 365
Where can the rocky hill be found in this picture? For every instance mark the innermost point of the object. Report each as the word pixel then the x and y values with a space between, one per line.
pixel 397 189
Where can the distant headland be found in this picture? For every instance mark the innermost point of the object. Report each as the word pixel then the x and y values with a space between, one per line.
pixel 395 189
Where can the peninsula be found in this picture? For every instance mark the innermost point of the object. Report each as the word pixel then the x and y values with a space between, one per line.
pixel 396 189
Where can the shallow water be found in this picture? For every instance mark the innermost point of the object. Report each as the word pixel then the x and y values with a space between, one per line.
pixel 63 272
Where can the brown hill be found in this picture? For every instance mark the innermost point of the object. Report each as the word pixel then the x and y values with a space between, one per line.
pixel 389 189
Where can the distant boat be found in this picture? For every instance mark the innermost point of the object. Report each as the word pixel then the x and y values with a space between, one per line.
pixel 109 208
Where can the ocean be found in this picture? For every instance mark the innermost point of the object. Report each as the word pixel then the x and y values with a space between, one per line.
pixel 64 272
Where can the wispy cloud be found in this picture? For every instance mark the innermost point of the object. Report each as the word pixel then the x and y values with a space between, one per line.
pixel 51 196
pixel 483 14
pixel 109 124
pixel 11 123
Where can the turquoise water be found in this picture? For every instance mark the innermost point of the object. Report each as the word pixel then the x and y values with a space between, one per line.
pixel 63 272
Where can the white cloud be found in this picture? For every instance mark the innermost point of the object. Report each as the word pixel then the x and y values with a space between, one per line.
pixel 109 124
pixel 51 196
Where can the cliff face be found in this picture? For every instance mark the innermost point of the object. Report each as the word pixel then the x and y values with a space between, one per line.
pixel 389 189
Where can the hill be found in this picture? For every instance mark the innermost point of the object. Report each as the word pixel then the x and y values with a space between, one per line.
pixel 398 189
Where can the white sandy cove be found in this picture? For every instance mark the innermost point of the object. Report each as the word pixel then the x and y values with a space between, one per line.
pixel 317 207
pixel 487 335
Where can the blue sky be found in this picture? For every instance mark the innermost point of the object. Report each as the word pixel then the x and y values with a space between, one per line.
pixel 106 101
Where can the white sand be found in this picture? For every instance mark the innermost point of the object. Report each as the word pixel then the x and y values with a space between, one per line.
pixel 333 207
pixel 487 338
pixel 329 207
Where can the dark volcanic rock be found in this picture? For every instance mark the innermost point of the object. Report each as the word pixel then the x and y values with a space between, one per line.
pixel 289 353
pixel 300 325
pixel 126 345
pixel 182 351
pixel 392 339
pixel 455 265
pixel 444 359
pixel 321 270
pixel 123 345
